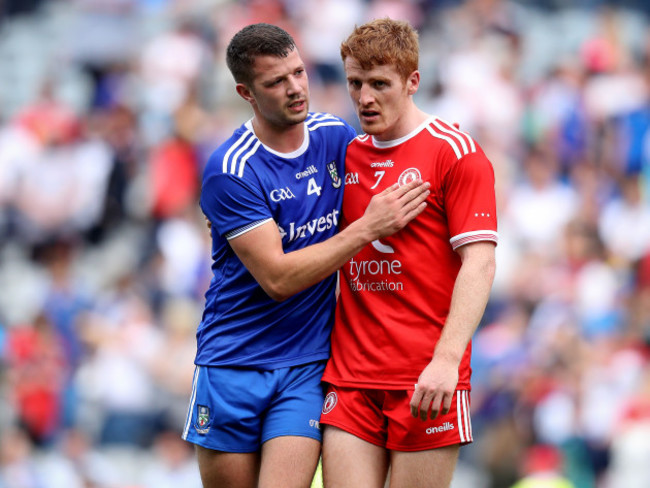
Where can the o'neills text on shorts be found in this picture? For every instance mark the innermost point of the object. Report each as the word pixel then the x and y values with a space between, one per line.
pixel 443 428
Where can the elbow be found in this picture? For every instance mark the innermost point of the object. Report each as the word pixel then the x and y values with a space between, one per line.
pixel 277 291
pixel 278 297
pixel 490 269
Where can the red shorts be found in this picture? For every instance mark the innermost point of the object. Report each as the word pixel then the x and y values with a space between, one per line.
pixel 383 418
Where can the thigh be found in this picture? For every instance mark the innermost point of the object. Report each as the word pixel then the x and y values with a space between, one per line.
pixel 356 411
pixel 349 461
pixel 295 408
pixel 220 469
pixel 289 461
pixel 406 433
pixel 226 408
pixel 433 468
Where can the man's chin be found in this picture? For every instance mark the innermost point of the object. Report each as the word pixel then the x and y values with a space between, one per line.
pixel 370 129
pixel 298 118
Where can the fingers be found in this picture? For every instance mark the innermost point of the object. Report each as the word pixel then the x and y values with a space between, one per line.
pixel 414 187
pixel 446 404
pixel 412 197
pixel 391 188
pixel 416 399
pixel 429 404
pixel 423 402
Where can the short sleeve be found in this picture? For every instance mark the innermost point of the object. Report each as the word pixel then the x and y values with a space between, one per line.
pixel 232 204
pixel 470 201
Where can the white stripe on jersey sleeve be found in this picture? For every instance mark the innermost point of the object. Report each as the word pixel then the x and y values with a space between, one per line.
pixel 231 149
pixel 320 119
pixel 460 136
pixel 458 140
pixel 319 116
pixel 448 139
pixel 242 230
pixel 473 236
pixel 244 159
pixel 237 155
pixel 323 124
pixel 362 137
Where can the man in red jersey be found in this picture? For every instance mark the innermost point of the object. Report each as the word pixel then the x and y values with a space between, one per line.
pixel 399 375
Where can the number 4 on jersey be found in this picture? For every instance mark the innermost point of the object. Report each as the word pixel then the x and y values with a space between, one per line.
pixel 313 187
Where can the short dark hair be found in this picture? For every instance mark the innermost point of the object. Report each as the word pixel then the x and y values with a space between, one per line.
pixel 252 41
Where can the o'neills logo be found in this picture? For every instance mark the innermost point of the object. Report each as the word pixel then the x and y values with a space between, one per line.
pixel 311 169
pixel 330 402
pixel 382 164
pixel 443 428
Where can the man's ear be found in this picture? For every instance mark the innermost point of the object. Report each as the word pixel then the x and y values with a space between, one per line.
pixel 413 82
pixel 244 92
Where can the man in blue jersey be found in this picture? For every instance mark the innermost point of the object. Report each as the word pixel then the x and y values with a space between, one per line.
pixel 272 194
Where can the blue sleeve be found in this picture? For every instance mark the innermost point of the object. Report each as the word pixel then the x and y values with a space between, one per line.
pixel 232 203
pixel 351 132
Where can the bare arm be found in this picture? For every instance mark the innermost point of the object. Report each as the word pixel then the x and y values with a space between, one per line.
pixel 283 275
pixel 437 382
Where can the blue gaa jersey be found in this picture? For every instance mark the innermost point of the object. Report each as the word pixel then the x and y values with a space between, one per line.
pixel 246 184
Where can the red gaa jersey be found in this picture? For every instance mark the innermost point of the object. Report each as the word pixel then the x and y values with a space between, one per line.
pixel 396 293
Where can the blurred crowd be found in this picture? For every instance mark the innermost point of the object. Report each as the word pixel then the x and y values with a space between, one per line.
pixel 108 111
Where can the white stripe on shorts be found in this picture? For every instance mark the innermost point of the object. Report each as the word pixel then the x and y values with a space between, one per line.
pixel 464 418
pixel 190 409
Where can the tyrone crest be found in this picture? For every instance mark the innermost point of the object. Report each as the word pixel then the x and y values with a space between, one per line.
pixel 330 402
pixel 334 174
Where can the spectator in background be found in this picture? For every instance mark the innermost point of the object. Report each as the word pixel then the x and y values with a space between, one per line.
pixel 541 205
pixel 174 176
pixel 543 469
pixel 37 372
pixel 623 222
pixel 171 65
pixel 18 466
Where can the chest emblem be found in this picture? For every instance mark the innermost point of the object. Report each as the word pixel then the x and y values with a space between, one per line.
pixel 334 174
pixel 408 175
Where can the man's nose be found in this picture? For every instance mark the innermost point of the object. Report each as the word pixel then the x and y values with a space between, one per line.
pixel 365 95
pixel 293 85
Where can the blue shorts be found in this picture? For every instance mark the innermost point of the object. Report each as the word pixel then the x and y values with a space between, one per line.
pixel 237 410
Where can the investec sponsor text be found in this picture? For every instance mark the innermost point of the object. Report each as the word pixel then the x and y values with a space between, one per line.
pixel 317 225
pixel 364 275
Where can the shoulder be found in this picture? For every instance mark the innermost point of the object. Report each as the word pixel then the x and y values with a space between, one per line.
pixel 232 156
pixel 325 122
pixel 361 141
pixel 456 143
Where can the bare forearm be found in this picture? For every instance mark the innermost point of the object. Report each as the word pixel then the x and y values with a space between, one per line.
pixel 470 296
pixel 305 267
pixel 283 275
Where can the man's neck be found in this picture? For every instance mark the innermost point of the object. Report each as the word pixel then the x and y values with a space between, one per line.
pixel 411 119
pixel 284 139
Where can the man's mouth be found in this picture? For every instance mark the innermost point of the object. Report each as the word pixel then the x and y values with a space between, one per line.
pixel 369 114
pixel 297 105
